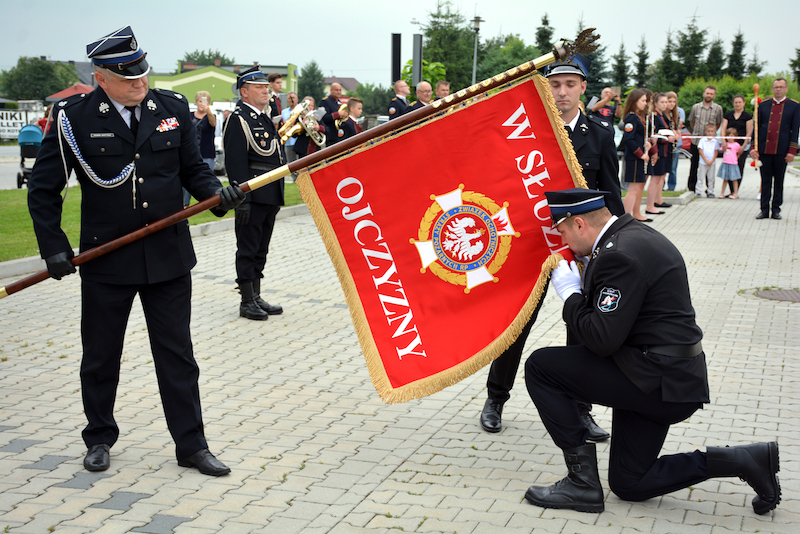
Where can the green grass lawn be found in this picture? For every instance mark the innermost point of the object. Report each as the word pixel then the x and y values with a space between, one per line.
pixel 16 230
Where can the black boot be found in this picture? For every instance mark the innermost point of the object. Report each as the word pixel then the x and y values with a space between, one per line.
pixel 756 464
pixel 595 432
pixel 248 308
pixel 264 305
pixel 492 416
pixel 580 490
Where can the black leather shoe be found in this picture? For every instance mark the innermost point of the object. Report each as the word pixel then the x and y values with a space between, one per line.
pixel 663 205
pixel 206 463
pixel 763 215
pixel 97 458
pixel 776 216
pixel 595 432
pixel 251 310
pixel 492 416
pixel 264 305
pixel 267 307
pixel 757 464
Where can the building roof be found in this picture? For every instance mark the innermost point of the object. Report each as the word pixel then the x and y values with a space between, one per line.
pixel 348 84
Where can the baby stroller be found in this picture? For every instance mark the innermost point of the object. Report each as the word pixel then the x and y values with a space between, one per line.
pixel 30 139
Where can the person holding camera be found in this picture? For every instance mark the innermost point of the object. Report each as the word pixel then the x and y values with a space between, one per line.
pixel 609 106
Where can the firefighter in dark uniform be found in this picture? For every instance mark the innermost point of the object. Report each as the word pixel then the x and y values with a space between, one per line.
pixel 252 147
pixel 132 150
pixel 331 105
pixel 399 105
pixel 639 353
pixel 594 146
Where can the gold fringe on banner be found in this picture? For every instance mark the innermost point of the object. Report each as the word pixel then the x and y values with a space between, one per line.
pixel 443 379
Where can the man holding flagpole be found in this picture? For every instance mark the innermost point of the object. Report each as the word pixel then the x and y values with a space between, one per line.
pixel 133 149
pixel 593 142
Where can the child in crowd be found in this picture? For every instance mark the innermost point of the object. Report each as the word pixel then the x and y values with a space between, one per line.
pixel 350 127
pixel 707 147
pixel 729 170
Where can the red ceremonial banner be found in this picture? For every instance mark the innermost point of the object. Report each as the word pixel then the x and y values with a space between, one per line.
pixel 441 234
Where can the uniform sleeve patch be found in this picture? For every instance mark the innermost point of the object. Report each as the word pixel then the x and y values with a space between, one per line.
pixel 608 299
pixel 628 127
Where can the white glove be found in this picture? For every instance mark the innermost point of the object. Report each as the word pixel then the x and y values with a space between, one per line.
pixel 566 279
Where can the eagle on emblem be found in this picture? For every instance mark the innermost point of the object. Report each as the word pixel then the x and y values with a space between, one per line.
pixel 459 240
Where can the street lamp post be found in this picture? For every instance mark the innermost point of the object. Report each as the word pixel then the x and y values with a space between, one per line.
pixel 476 25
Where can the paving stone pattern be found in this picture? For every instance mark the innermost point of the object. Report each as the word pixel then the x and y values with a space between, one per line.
pixel 289 406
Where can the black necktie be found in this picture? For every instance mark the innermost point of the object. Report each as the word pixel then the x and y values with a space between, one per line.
pixel 134 120
pixel 568 129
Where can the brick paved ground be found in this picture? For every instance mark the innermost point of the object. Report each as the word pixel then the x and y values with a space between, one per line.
pixel 289 406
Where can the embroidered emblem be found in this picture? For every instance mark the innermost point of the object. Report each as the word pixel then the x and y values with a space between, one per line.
pixel 151 105
pixel 62 103
pixel 253 115
pixel 167 125
pixel 392 111
pixel 464 238
pixel 628 127
pixel 178 96
pixel 584 127
pixel 103 107
pixel 134 46
pixel 609 244
pixel 608 299
pixel 604 123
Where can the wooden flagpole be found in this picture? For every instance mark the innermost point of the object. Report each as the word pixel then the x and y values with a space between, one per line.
pixel 583 43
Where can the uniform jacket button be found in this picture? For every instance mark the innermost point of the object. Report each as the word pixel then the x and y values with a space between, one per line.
pixel 145 204
pixel 136 156
pixel 141 180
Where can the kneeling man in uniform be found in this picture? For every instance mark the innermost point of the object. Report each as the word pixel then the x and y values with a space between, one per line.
pixel 640 354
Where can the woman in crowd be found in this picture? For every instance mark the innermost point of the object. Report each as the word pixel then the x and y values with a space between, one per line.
pixel 743 122
pixel 661 161
pixel 674 114
pixel 637 150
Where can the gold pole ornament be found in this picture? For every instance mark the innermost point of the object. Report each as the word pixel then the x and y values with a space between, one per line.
pixel 584 43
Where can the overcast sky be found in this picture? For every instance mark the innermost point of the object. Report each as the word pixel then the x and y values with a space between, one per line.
pixel 352 38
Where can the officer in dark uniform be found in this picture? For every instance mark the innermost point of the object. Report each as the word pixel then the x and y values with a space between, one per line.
pixel 276 84
pixel 778 130
pixel 594 146
pixel 640 353
pixel 399 104
pixel 424 95
pixel 252 147
pixel 331 105
pixel 132 150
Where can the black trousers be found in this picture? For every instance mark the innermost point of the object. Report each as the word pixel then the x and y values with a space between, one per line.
pixel 503 370
pixel 557 377
pixel 693 166
pixel 773 169
pixel 167 311
pixel 252 241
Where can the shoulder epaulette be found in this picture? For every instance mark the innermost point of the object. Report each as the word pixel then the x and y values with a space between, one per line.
pixel 70 100
pixel 167 92
pixel 602 122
